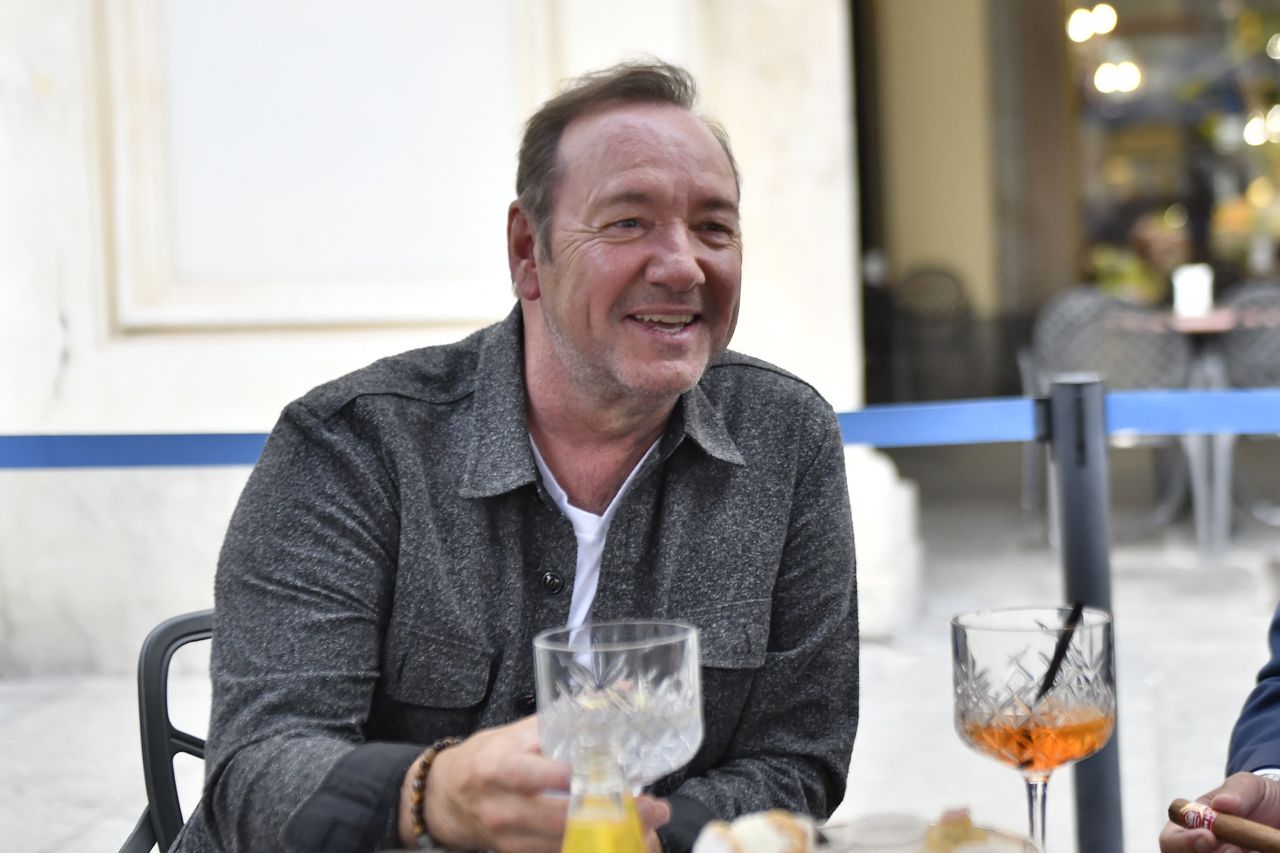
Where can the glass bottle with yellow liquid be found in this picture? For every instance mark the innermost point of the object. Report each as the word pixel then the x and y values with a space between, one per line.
pixel 602 812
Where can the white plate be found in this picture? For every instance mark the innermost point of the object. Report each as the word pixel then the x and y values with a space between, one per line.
pixel 902 833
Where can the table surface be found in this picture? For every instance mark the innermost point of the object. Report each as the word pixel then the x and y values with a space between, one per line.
pixel 1217 321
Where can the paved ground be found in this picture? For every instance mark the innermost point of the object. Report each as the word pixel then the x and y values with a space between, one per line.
pixel 1190 636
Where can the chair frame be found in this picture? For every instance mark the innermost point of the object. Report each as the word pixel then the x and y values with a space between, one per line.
pixel 1227 487
pixel 1190 467
pixel 917 316
pixel 161 820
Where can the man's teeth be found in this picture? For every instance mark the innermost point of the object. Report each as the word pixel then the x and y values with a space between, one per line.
pixel 666 319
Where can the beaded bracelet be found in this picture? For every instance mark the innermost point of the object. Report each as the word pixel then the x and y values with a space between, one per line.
pixel 419 788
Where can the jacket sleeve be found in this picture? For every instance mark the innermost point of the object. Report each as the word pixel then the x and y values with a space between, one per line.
pixel 1255 740
pixel 795 736
pixel 302 593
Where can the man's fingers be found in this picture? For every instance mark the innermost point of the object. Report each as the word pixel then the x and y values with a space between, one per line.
pixel 1230 803
pixel 533 774
pixel 542 817
pixel 1175 839
pixel 520 736
pixel 552 816
pixel 653 812
pixel 1250 796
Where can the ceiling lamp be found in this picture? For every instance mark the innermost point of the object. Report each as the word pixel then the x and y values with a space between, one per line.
pixel 1255 129
pixel 1104 78
pixel 1128 76
pixel 1103 17
pixel 1080 26
pixel 1084 24
pixel 1117 78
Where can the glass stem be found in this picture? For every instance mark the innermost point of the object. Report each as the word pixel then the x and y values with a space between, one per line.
pixel 1037 789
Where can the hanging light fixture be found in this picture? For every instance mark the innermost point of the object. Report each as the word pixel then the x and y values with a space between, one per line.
pixel 1080 26
pixel 1104 78
pixel 1255 129
pixel 1128 76
pixel 1103 18
pixel 1083 24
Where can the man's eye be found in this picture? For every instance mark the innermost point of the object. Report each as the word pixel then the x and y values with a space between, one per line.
pixel 631 222
pixel 716 228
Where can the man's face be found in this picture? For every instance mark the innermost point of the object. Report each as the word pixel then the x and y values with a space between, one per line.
pixel 641 288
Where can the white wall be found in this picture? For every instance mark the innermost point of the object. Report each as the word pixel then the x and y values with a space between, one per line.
pixel 93 207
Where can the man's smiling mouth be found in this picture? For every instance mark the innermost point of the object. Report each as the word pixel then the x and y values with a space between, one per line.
pixel 665 322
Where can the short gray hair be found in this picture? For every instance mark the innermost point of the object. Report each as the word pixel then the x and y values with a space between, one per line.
pixel 649 82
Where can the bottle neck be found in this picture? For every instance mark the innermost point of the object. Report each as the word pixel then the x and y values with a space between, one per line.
pixel 599 773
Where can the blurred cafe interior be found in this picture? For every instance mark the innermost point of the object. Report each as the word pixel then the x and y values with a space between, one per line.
pixel 1033 174
pixel 1009 151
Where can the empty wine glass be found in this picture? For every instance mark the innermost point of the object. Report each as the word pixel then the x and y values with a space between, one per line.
pixel 1008 707
pixel 632 688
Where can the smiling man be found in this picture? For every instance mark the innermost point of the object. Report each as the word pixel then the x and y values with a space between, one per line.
pixel 599 454
pixel 632 291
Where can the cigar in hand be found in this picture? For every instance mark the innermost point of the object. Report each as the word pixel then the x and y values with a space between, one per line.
pixel 1244 833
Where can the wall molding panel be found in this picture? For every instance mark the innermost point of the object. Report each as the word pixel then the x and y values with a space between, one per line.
pixel 262 170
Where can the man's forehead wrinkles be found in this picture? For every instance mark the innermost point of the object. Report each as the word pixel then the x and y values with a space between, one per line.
pixel 626 197
pixel 604 198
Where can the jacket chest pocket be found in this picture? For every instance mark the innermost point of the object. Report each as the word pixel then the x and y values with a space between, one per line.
pixel 732 638
pixel 734 635
pixel 440 683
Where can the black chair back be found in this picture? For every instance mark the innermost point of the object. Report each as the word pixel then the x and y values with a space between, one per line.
pixel 933 336
pixel 162 820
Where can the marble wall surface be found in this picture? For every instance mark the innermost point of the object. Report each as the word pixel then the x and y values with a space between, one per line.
pixel 90 559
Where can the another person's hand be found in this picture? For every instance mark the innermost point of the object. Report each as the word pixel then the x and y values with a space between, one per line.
pixel 490 793
pixel 1242 794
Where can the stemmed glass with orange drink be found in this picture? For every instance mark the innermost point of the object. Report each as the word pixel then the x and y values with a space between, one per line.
pixel 622 702
pixel 1034 690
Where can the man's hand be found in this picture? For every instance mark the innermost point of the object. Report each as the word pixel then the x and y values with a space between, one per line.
pixel 490 793
pixel 1242 794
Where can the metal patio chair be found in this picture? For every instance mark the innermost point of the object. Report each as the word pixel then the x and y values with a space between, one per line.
pixel 932 336
pixel 1130 347
pixel 162 818
pixel 1250 358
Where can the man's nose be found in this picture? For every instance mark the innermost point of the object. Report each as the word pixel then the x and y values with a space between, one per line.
pixel 674 264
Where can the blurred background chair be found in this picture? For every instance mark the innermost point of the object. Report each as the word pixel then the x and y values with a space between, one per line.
pixel 161 741
pixel 933 341
pixel 1130 347
pixel 1249 357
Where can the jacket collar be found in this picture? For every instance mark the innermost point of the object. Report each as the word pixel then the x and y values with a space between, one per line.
pixel 499 459
pixel 697 417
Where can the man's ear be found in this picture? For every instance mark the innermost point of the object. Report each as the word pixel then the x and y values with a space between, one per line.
pixel 522 253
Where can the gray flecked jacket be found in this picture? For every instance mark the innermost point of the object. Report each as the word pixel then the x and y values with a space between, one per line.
pixel 394 553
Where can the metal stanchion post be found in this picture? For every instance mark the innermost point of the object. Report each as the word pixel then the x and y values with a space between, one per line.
pixel 1078 447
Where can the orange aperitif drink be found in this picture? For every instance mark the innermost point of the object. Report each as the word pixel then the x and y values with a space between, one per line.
pixel 1042 743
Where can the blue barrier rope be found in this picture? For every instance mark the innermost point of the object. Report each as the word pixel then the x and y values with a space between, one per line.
pixel 1001 419
pixel 129 451
pixel 1252 412
pixel 957 422
pixel 1165 412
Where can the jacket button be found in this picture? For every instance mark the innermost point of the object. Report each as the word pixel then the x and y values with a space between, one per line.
pixel 552 583
pixel 526 703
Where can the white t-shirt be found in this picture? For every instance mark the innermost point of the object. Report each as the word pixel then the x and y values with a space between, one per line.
pixel 590 530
